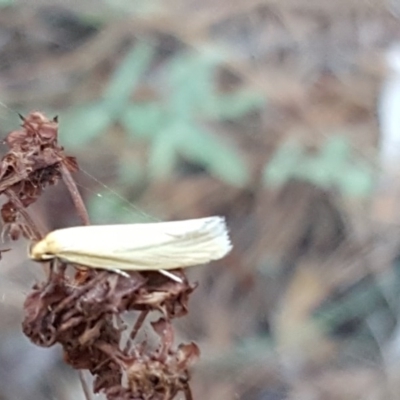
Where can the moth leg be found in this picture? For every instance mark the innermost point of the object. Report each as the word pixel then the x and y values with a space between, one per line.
pixel 170 275
pixel 120 272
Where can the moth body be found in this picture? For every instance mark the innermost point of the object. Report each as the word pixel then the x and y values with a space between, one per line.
pixel 140 247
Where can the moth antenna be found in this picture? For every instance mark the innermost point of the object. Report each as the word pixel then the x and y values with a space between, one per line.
pixel 21 117
pixel 55 119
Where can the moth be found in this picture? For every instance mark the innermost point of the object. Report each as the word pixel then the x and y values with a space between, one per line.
pixel 159 246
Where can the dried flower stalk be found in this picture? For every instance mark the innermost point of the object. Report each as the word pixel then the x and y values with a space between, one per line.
pixel 84 313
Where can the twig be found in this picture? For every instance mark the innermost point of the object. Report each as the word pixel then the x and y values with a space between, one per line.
pixel 84 216
pixel 136 328
pixel 18 204
pixel 75 195
pixel 85 387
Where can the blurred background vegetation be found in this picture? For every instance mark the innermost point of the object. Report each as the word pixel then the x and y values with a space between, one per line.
pixel 263 111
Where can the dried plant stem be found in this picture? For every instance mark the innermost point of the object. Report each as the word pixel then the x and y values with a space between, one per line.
pixel 188 394
pixel 138 324
pixel 136 327
pixel 84 313
pixel 83 214
pixel 21 209
pixel 85 387
pixel 76 197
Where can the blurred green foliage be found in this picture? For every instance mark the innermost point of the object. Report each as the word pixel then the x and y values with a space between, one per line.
pixel 335 166
pixel 365 312
pixel 136 7
pixel 110 208
pixel 6 3
pixel 174 124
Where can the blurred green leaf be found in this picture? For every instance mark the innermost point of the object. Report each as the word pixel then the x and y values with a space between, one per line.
pixel 220 159
pixel 109 209
pixel 357 181
pixel 130 171
pixel 143 120
pixel 191 79
pixel 6 3
pixel 82 124
pixel 103 209
pixel 283 164
pixel 333 167
pixel 171 127
pixel 335 155
pixel 193 70
pixel 231 106
pixel 126 77
pixel 163 152
pixel 337 149
pixel 313 170
pixel 137 7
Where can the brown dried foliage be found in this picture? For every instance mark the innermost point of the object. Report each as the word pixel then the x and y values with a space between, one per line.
pixel 83 313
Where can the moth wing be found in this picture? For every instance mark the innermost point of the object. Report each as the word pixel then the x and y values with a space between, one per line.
pixel 164 245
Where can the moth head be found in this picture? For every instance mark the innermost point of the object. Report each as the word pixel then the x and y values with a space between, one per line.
pixel 41 251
